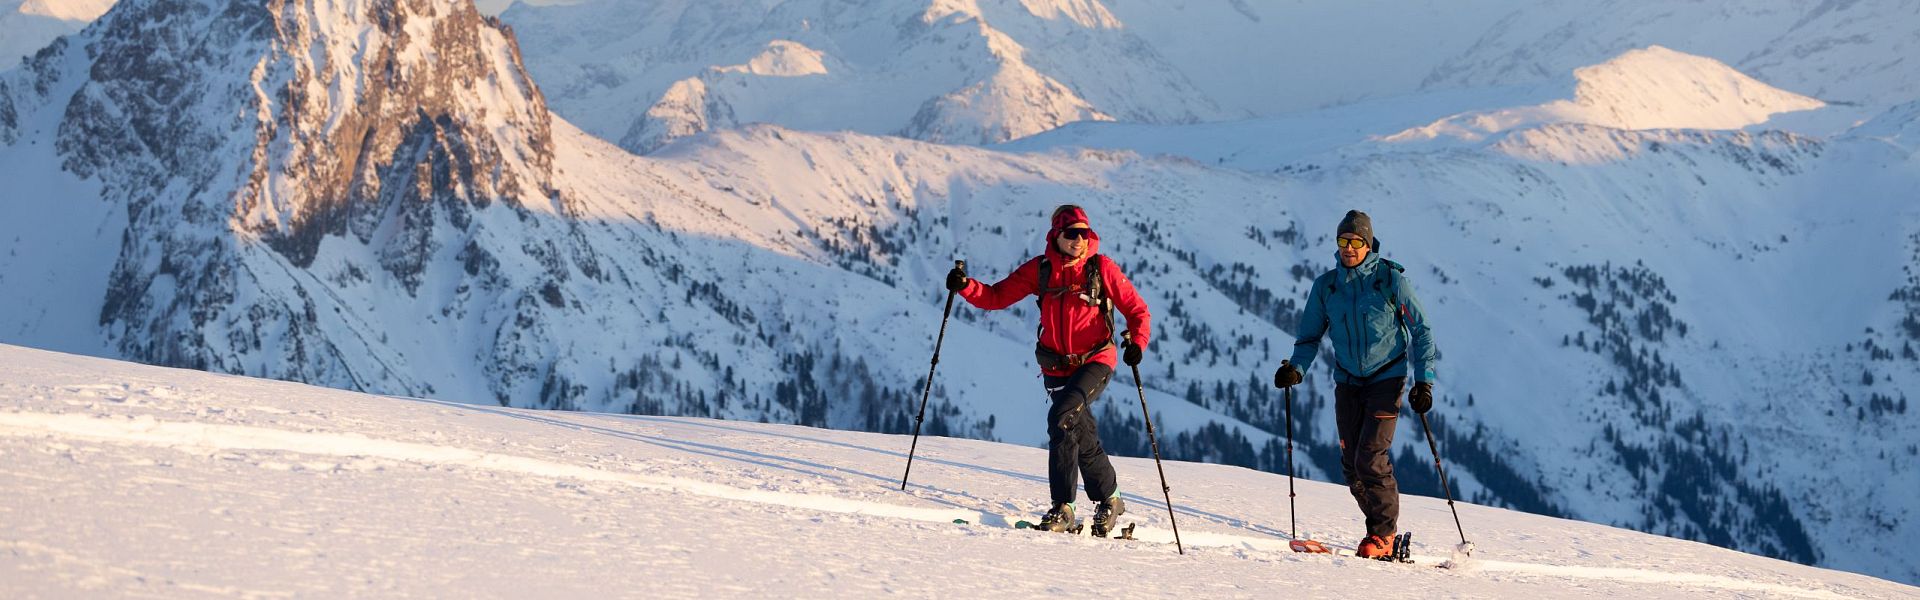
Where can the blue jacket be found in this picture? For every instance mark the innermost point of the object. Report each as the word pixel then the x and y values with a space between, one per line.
pixel 1376 324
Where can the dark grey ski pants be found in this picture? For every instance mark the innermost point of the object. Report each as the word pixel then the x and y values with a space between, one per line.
pixel 1367 415
pixel 1073 439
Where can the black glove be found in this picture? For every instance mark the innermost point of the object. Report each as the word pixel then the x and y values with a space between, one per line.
pixel 1421 398
pixel 1133 353
pixel 1288 375
pixel 956 280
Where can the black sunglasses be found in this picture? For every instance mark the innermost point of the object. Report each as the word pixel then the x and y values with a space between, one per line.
pixel 1077 233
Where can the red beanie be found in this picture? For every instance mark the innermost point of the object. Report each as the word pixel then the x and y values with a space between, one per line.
pixel 1068 215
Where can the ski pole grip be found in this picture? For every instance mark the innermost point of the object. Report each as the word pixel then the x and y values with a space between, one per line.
pixel 961 265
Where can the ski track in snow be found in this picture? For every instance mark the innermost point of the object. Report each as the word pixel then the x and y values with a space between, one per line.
pixel 202 437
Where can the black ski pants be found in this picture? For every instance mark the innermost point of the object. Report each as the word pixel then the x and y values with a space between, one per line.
pixel 1367 415
pixel 1073 439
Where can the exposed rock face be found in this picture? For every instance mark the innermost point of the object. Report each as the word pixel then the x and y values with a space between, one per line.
pixel 388 123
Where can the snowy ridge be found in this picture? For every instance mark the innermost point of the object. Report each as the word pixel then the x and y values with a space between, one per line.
pixel 1836 51
pixel 1900 125
pixel 783 58
pixel 1647 89
pixel 685 109
pixel 1173 63
pixel 328 480
pixel 957 71
pixel 66 10
pixel 1651 88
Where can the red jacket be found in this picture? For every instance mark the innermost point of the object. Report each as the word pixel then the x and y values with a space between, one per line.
pixel 1068 324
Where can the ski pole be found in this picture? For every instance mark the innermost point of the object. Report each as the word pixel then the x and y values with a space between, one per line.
pixel 944 313
pixel 1443 477
pixel 1294 520
pixel 1165 490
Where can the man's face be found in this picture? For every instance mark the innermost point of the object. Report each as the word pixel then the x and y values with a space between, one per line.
pixel 1352 249
pixel 1073 241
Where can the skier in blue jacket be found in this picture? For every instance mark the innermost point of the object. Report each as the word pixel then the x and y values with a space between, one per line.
pixel 1367 309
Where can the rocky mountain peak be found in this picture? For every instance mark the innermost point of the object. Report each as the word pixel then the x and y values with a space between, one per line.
pixel 285 119
pixel 240 136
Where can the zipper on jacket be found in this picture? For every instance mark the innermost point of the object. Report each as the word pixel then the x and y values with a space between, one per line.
pixel 1353 339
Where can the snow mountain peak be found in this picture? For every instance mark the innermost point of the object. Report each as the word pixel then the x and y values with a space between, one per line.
pixel 783 58
pixel 240 139
pixel 72 10
pixel 1090 14
pixel 1658 88
pixel 956 71
pixel 1647 88
pixel 325 95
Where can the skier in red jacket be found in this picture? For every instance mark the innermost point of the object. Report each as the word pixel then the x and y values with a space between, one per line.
pixel 1077 290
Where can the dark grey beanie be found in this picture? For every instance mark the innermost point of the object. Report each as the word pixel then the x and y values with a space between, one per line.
pixel 1358 223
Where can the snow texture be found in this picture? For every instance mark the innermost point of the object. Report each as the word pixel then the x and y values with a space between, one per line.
pixel 149 481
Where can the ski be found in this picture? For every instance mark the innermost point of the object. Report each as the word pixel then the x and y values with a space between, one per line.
pixel 1402 551
pixel 1124 533
pixel 1075 529
pixel 1308 546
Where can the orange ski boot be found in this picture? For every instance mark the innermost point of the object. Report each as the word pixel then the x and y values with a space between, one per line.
pixel 1375 547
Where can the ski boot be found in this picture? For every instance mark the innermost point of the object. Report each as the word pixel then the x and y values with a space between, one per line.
pixel 1060 520
pixel 1375 547
pixel 1106 516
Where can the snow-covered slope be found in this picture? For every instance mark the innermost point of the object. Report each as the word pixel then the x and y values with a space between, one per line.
pixel 149 481
pixel 1899 125
pixel 28 25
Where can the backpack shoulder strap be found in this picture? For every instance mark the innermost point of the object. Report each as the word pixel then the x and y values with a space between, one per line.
pixel 1395 275
pixel 1097 291
pixel 1095 287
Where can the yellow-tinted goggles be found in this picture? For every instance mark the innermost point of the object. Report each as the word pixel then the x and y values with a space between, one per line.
pixel 1350 243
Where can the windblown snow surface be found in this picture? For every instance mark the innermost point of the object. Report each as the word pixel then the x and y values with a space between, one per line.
pixel 134 481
